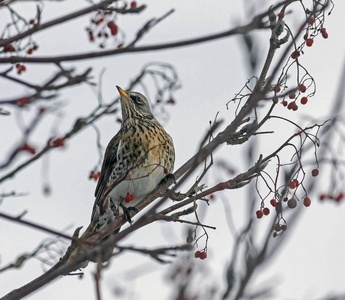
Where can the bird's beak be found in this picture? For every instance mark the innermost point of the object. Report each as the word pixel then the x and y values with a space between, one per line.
pixel 122 92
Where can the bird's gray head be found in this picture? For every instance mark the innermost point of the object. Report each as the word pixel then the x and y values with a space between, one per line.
pixel 134 105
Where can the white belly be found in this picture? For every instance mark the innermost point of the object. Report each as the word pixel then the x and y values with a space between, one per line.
pixel 139 183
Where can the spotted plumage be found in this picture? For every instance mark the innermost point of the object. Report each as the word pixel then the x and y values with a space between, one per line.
pixel 137 158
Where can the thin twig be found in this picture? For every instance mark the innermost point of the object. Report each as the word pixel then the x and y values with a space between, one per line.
pixel 34 225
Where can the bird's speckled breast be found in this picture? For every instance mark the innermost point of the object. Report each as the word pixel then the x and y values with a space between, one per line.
pixel 146 155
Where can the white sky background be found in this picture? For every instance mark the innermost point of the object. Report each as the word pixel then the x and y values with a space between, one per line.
pixel 311 262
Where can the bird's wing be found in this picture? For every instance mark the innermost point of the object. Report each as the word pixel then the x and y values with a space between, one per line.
pixel 110 159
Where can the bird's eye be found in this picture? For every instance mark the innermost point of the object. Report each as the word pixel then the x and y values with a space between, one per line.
pixel 136 99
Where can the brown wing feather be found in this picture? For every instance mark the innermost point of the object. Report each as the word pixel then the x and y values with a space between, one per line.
pixel 110 159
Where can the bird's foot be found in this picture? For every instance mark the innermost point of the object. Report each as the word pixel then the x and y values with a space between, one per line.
pixel 168 177
pixel 127 212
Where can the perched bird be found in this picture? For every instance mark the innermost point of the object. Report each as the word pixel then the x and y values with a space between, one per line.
pixel 136 160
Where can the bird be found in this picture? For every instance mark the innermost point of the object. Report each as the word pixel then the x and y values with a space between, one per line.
pixel 136 160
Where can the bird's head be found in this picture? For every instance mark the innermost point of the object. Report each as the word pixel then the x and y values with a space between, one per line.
pixel 134 105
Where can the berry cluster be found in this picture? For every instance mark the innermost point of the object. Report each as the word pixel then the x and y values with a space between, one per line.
pixel 129 198
pixel 31 49
pixel 22 23
pixel 200 254
pixel 263 211
pixel 20 68
pixel 336 198
pixel 314 26
pixel 279 228
pixel 291 202
pixel 103 26
pixel 300 89
pixel 8 48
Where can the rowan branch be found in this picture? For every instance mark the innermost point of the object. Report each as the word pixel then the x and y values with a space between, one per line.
pixel 256 23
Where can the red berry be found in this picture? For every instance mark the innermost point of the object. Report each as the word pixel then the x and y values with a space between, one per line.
pixel 273 202
pixel 91 37
pixel 285 103
pixel 110 24
pixel 292 184
pixel 28 148
pixel 203 255
pixel 292 203
pixel 295 54
pixel 166 171
pixel 322 197
pixel 99 21
pixel 32 22
pixel 304 100
pixel 292 105
pixel 23 101
pixel 309 42
pixel 277 227
pixel 302 88
pixel 340 197
pixel 9 48
pixel 259 214
pixel 197 254
pixel 315 172
pixel 129 198
pixel 283 227
pixel 324 33
pixel 266 211
pixel 29 51
pixel 277 88
pixel 133 4
pixel 20 68
pixel 94 175
pixel 59 142
pixel 311 20
pixel 113 28
pixel 306 201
